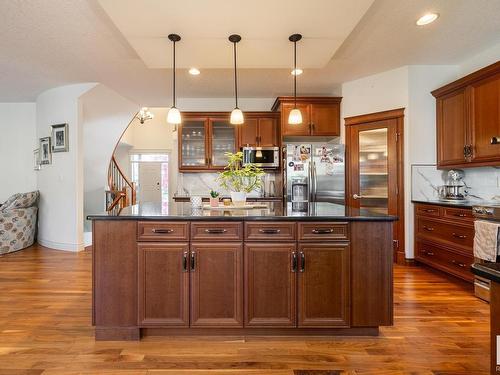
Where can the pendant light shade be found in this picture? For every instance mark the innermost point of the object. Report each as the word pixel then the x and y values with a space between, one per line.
pixel 236 115
pixel 174 115
pixel 295 116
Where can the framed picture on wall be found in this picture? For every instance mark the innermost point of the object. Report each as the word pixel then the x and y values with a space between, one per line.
pixel 60 138
pixel 36 160
pixel 45 151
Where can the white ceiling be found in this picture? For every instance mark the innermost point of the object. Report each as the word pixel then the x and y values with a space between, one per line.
pixel 45 44
pixel 264 26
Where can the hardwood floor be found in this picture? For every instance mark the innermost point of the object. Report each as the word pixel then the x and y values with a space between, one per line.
pixel 45 328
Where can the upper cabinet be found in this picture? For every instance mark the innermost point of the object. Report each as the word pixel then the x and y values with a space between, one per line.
pixel 320 116
pixel 260 129
pixel 468 120
pixel 205 137
pixel 204 140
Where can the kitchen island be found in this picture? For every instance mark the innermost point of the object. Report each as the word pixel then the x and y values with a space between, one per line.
pixel 174 270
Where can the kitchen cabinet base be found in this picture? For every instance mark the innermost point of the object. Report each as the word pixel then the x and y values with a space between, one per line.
pixel 359 331
pixel 117 333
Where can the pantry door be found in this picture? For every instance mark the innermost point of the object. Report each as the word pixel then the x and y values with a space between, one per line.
pixel 374 145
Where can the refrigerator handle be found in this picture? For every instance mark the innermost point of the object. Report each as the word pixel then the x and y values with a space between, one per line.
pixel 310 187
pixel 315 182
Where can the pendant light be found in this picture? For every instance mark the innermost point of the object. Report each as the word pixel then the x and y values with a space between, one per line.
pixel 295 117
pixel 236 114
pixel 174 116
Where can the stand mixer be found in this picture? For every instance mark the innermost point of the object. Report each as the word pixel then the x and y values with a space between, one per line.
pixel 455 188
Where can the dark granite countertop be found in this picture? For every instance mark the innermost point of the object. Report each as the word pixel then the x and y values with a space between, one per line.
pixel 490 271
pixel 459 204
pixel 274 211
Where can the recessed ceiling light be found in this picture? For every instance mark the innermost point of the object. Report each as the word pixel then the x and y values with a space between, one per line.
pixel 194 71
pixel 427 19
pixel 296 72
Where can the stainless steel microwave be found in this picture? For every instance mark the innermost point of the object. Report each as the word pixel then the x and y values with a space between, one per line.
pixel 264 157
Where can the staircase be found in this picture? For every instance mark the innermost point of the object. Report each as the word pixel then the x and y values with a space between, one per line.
pixel 122 192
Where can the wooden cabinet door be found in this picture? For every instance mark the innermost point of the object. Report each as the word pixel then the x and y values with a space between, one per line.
pixel 323 286
pixel 270 285
pixel 249 133
pixel 303 129
pixel 485 119
pixel 216 284
pixel 163 284
pixel 268 132
pixel 325 119
pixel 451 128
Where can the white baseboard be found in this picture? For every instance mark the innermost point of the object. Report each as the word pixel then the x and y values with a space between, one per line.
pixel 87 238
pixel 61 245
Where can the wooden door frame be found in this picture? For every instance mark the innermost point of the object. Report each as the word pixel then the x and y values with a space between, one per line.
pixel 367 119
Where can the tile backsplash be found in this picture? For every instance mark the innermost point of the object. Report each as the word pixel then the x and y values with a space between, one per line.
pixel 202 183
pixel 482 182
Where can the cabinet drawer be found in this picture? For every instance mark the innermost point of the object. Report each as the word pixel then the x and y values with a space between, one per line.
pixel 428 210
pixel 271 231
pixel 162 231
pixel 322 231
pixel 219 230
pixel 458 214
pixel 462 235
pixel 445 260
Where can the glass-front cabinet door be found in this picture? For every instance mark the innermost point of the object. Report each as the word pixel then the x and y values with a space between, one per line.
pixel 373 170
pixel 223 140
pixel 193 144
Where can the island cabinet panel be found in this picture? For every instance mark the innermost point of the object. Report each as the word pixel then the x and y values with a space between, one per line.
pixel 323 231
pixel 216 271
pixel 371 274
pixel 323 285
pixel 114 271
pixel 270 284
pixel 162 231
pixel 217 230
pixel 163 284
pixel 272 231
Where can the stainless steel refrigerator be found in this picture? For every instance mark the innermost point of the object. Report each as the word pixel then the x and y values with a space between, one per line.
pixel 315 172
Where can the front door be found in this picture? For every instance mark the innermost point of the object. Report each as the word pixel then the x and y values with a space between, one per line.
pixel 149 182
pixel 374 146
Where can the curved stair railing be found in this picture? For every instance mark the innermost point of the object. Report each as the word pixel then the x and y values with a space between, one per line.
pixel 122 191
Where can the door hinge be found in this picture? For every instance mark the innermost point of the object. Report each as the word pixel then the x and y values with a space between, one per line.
pixel 397 136
pixel 396 243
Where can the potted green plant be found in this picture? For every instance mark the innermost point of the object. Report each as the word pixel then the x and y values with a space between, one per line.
pixel 214 198
pixel 239 180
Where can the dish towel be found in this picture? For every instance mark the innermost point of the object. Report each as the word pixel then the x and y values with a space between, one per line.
pixel 486 240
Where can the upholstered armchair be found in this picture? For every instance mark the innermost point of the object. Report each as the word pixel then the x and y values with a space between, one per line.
pixel 18 217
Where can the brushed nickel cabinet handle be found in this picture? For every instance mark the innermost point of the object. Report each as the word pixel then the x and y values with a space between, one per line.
pixel 429 210
pixel 461 236
pixel 495 140
pixel 269 231
pixel 428 229
pixel 302 261
pixel 322 231
pixel 161 231
pixel 215 231
pixel 461 215
pixel 430 253
pixel 193 260
pixel 294 261
pixel 459 264
pixel 184 261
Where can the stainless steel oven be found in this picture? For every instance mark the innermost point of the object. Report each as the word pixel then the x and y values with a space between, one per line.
pixel 264 157
pixel 489 213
